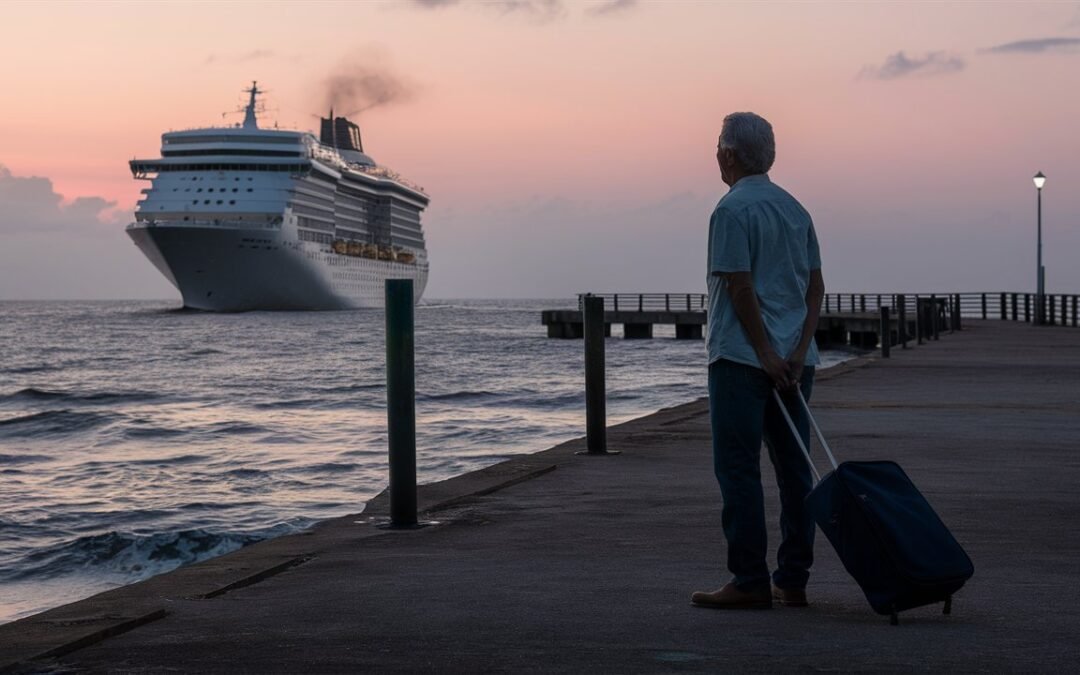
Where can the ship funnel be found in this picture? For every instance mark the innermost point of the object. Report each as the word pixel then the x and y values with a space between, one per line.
pixel 340 133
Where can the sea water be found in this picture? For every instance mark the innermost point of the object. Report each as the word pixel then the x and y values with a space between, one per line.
pixel 136 437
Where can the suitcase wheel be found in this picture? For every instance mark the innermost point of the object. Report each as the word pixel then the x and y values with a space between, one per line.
pixel 948 606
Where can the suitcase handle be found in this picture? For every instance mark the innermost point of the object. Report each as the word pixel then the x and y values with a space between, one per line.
pixel 798 438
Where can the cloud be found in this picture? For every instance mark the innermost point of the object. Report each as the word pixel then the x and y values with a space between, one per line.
pixel 611 7
pixel 901 65
pixel 253 55
pixel 540 11
pixel 1038 46
pixel 30 204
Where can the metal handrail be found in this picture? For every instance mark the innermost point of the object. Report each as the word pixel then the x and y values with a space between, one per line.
pixel 1060 309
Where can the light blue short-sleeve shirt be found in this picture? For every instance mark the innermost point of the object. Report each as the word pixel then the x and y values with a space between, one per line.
pixel 758 227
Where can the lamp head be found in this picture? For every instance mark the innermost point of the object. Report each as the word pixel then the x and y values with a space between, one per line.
pixel 1040 180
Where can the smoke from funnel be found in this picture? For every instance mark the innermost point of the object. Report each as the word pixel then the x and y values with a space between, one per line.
pixel 355 87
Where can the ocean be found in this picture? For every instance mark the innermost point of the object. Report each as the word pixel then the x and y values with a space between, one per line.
pixel 136 437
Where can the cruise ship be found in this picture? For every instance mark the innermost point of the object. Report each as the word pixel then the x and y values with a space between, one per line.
pixel 244 218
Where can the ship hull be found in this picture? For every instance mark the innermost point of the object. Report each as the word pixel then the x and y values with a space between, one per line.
pixel 236 270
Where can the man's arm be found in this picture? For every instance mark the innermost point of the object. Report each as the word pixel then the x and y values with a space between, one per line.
pixel 740 288
pixel 815 292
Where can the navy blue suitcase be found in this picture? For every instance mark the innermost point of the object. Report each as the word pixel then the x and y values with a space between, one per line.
pixel 885 532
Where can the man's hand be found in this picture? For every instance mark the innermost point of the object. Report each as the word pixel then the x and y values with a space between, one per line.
pixel 796 362
pixel 778 369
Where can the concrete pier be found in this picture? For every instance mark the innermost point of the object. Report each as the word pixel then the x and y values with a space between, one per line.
pixel 555 562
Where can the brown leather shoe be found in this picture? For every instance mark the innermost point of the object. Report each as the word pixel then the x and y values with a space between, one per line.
pixel 730 597
pixel 790 597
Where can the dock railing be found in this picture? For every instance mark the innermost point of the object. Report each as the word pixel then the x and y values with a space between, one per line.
pixel 649 302
pixel 1060 309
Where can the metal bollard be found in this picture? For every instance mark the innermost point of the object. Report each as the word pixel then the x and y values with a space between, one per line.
pixel 886 333
pixel 595 393
pixel 401 402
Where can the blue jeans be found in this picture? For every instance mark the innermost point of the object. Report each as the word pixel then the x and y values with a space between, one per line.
pixel 743 414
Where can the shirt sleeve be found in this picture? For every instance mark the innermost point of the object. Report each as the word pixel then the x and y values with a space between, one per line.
pixel 813 253
pixel 729 243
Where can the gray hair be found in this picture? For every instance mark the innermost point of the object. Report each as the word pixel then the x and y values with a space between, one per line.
pixel 751 137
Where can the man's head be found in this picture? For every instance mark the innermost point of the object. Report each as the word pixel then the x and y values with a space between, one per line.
pixel 746 147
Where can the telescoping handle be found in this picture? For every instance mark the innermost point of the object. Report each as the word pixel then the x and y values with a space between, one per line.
pixel 798 438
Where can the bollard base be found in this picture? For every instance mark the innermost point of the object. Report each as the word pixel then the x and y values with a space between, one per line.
pixel 385 524
pixel 602 453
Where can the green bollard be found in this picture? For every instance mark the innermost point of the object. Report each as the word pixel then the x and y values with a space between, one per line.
pixel 401 402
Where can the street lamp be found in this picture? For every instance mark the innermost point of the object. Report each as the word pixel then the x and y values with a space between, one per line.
pixel 1040 288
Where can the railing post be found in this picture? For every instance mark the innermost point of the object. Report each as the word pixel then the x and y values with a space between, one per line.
pixel 852 303
pixel 688 302
pixel 667 302
pixel 984 305
pixel 1053 314
pixel 879 299
pixel 827 303
pixel 1013 301
pixel 640 301
pixel 401 402
pixel 862 303
pixel 616 297
pixel 595 393
pixel 1027 307
pixel 1074 311
pixel 959 312
pixel 886 332
pixel 901 321
pixel 1004 309
pixel 935 317
pixel 920 319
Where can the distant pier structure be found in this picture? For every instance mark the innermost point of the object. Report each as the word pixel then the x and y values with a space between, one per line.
pixel 856 319
pixel 637 312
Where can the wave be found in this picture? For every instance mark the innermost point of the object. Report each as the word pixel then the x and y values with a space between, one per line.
pixel 459 396
pixel 35 394
pixel 129 555
pixel 24 370
pixel 53 422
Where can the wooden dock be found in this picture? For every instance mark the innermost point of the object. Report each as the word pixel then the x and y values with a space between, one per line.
pixel 847 319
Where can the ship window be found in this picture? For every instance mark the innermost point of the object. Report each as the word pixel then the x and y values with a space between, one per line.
pixel 234 189
pixel 199 190
pixel 194 201
pixel 249 189
pixel 207 201
pixel 219 201
pixel 232 201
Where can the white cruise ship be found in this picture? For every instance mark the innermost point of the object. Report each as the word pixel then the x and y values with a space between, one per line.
pixel 242 218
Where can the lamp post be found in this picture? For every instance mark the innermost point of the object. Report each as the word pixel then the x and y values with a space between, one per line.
pixel 1040 289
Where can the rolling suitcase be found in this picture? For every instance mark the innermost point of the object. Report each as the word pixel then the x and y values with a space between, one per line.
pixel 885 532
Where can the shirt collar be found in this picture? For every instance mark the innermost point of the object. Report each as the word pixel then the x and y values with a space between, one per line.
pixel 754 179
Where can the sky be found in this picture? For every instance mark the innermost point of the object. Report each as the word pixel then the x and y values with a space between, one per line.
pixel 569 146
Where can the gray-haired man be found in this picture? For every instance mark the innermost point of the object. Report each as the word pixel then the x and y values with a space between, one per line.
pixel 765 292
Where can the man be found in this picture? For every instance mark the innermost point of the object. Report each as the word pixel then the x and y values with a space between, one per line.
pixel 765 292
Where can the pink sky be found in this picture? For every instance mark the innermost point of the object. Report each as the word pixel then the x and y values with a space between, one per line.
pixel 567 148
